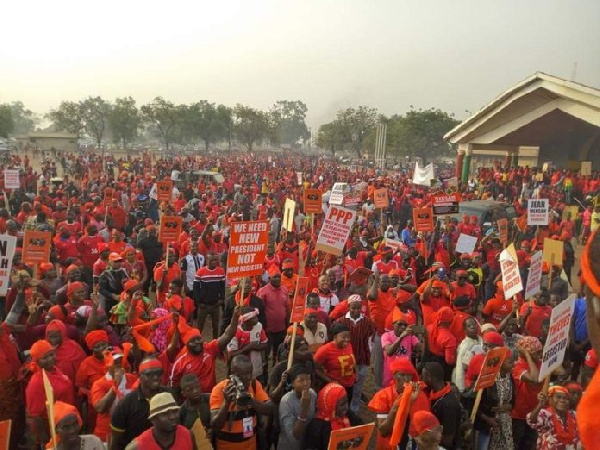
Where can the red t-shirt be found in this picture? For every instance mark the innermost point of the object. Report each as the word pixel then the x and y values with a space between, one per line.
pixel 467 290
pixel 496 309
pixel 203 365
pixel 533 325
pixel 66 248
pixel 88 247
pixel 527 393
pixel 381 308
pixel 474 369
pixel 338 363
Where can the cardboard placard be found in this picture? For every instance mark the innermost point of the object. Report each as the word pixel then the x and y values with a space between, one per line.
pixel 299 300
pixel 299 178
pixel 288 215
pixel 553 252
pixel 5 427
pixel 558 337
pixel 8 245
pixel 313 201
pixel 511 277
pixel 381 199
pixel 446 204
pixel 36 247
pixel 423 219
pixel 352 199
pixel 586 168
pixel 170 229
pixel 109 194
pixel 335 230
pixel 534 278
pixel 503 230
pixel 396 246
pixel 538 211
pixel 164 190
pixel 466 244
pixel 337 193
pixel 354 438
pixel 248 248
pixel 11 179
pixel 490 368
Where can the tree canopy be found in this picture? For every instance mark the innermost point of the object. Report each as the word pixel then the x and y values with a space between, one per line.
pixel 7 122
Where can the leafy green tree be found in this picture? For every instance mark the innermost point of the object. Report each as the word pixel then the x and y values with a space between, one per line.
pixel 202 120
pixel 166 117
pixel 124 120
pixel 95 114
pixel 225 117
pixel 289 121
pixel 25 119
pixel 7 122
pixel 330 137
pixel 355 124
pixel 68 117
pixel 251 125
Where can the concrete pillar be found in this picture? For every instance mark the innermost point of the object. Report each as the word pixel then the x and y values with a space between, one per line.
pixel 515 158
pixel 467 164
pixel 459 164
pixel 507 159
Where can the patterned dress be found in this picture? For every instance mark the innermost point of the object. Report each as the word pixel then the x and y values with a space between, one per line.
pixel 547 435
pixel 502 437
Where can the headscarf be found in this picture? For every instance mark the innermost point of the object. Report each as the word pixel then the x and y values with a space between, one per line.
pixel 530 343
pixel 249 315
pixel 62 410
pixel 74 286
pixel 403 365
pixel 45 268
pixel 398 315
pixel 57 313
pixel 38 350
pixel 424 421
pixel 354 298
pixel 557 390
pixel 326 404
pixel 493 338
pixel 95 337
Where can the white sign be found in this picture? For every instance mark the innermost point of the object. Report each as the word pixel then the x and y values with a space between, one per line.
pixel 558 337
pixel 7 252
pixel 336 229
pixel 423 176
pixel 337 193
pixel 534 279
pixel 538 211
pixel 11 179
pixel 466 244
pixel 511 277
pixel 395 245
pixel 299 178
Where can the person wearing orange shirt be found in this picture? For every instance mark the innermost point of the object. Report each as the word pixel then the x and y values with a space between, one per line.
pixel 461 287
pixel 442 344
pixel 497 307
pixel 463 309
pixel 288 277
pixel 164 277
pixel 532 316
pixel 335 360
pixel 434 297
pixel 116 244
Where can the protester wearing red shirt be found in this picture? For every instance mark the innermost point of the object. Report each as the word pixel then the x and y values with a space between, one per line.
pixel 434 297
pixel 461 287
pixel 88 246
pixel 534 315
pixel 66 245
pixel 335 360
pixel 442 344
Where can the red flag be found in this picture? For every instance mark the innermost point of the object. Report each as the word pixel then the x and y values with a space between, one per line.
pixel 401 415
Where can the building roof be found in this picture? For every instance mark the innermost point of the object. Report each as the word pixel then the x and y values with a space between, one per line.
pixel 51 134
pixel 528 110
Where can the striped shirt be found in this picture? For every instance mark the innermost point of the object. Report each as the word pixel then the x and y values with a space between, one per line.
pixel 361 331
pixel 209 286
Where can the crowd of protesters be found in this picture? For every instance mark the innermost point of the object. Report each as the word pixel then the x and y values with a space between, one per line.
pixel 118 323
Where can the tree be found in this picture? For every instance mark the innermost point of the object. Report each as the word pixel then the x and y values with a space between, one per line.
pixel 225 117
pixel 7 122
pixel 67 117
pixel 166 117
pixel 202 120
pixel 124 120
pixel 289 121
pixel 25 120
pixel 355 124
pixel 330 137
pixel 251 125
pixel 95 113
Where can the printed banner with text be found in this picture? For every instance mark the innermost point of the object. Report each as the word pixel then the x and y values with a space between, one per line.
pixel 558 337
pixel 335 230
pixel 248 248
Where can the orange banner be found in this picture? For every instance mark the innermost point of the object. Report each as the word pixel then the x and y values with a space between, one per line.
pixel 36 247
pixel 423 219
pixel 381 199
pixel 355 438
pixel 247 248
pixel 170 229
pixel 313 201
pixel 490 368
pixel 164 190
pixel 109 194
pixel 299 300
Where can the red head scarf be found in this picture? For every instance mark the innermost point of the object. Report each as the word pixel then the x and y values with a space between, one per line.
pixel 57 313
pixel 326 404
pixel 424 421
pixel 62 410
pixel 74 286
pixel 403 365
pixel 95 337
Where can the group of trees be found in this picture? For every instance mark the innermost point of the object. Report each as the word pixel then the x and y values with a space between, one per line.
pixel 416 133
pixel 15 119
pixel 173 123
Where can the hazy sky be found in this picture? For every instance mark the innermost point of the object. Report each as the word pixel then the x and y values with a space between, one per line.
pixel 389 54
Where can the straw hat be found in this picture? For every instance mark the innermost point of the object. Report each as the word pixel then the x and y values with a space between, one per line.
pixel 161 403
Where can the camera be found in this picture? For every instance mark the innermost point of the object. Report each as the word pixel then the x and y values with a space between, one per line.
pixel 242 398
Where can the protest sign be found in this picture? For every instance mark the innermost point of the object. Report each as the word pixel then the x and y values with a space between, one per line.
pixel 534 279
pixel 109 194
pixel 11 179
pixel 299 178
pixel 490 368
pixel 503 230
pixel 553 252
pixel 164 190
pixel 586 168
pixel 337 193
pixel 36 247
pixel 313 201
pixel 299 300
pixel 335 230
pixel 466 243
pixel 288 215
pixel 396 246
pixel 353 438
pixel 423 176
pixel 381 198
pixel 444 204
pixel 248 248
pixel 5 427
pixel 423 219
pixel 352 199
pixel 558 337
pixel 170 229
pixel 573 210
pixel 7 252
pixel 538 211
pixel 511 277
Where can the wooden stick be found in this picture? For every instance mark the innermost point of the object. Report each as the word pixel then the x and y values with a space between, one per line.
pixel 476 405
pixel 546 385
pixel 291 354
pixel 243 282
pixel 312 224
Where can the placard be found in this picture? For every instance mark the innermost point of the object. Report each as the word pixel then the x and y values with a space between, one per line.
pixel 288 215
pixel 164 190
pixel 381 199
pixel 248 248
pixel 336 229
pixel 109 194
pixel 396 246
pixel 445 204
pixel 299 300
pixel 574 210
pixel 511 277
pixel 313 201
pixel 36 247
pixel 538 211
pixel 170 229
pixel 492 364
pixel 49 405
pixel 337 193
pixel 466 244
pixel 503 230
pixel 423 219
pixel 5 427
pixel 534 278
pixel 353 438
pixel 553 252
pixel 11 179
pixel 586 168
pixel 299 178
pixel 7 252
pixel 558 337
